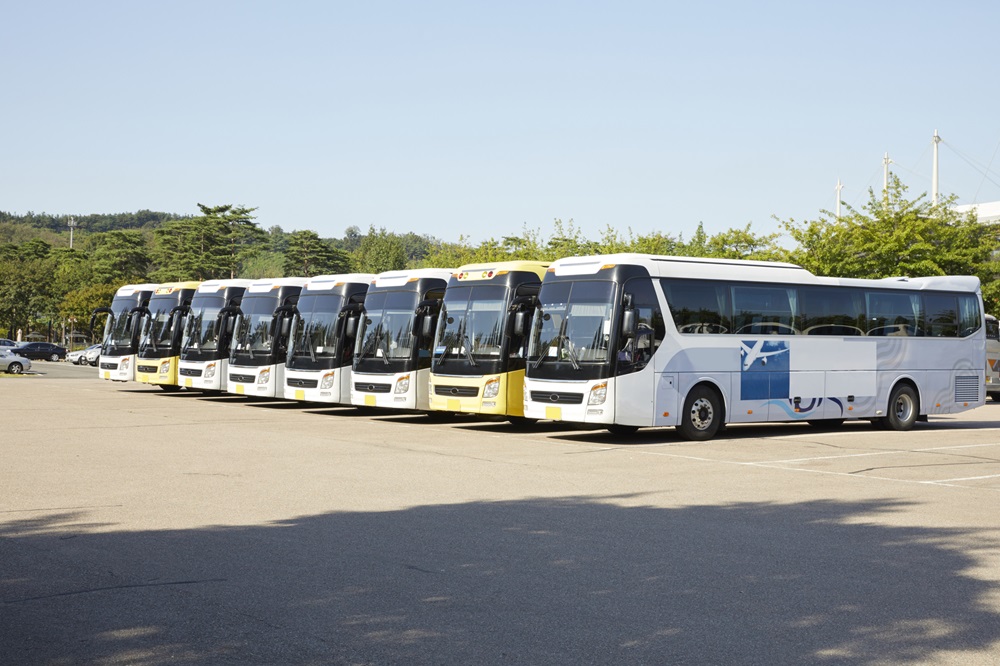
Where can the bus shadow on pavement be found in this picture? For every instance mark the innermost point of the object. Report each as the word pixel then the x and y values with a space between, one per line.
pixel 559 581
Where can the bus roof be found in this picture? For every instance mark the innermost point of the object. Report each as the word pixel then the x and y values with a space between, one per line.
pixel 706 268
pixel 487 271
pixel 171 287
pixel 399 278
pixel 212 286
pixel 328 282
pixel 132 289
pixel 263 286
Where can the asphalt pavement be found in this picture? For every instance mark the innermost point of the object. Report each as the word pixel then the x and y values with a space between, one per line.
pixel 144 527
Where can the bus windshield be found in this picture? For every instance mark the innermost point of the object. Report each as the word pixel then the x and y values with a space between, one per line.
pixel 385 341
pixel 118 340
pixel 201 330
pixel 571 330
pixel 471 330
pixel 157 336
pixel 253 343
pixel 315 343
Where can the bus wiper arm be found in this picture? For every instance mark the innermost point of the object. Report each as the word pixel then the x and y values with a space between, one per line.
pixel 309 343
pixel 467 346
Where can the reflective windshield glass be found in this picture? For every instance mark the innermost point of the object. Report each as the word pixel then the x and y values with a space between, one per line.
pixel 115 333
pixel 471 326
pixel 572 327
pixel 315 334
pixel 201 329
pixel 386 329
pixel 253 332
pixel 157 331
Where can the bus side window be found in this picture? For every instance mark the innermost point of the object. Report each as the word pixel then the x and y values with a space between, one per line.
pixel 698 307
pixel 635 353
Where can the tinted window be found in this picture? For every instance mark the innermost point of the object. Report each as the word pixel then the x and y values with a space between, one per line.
pixel 893 314
pixel 969 316
pixel 636 352
pixel 940 315
pixel 698 307
pixel 824 311
pixel 764 310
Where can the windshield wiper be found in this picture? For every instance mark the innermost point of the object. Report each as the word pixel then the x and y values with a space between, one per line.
pixel 563 342
pixel 309 342
pixel 466 344
pixel 370 344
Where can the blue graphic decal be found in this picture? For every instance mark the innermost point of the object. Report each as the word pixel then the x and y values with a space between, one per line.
pixel 764 372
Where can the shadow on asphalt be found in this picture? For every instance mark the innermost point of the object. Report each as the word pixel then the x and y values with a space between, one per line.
pixel 564 581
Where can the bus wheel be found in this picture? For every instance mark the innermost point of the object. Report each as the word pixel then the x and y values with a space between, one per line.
pixel 622 430
pixel 702 414
pixel 903 408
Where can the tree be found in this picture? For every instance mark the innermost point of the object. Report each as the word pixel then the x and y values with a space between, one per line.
pixel 380 251
pixel 308 255
pixel 244 237
pixel 119 257
pixel 895 236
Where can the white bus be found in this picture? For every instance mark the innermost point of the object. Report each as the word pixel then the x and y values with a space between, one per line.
pixel 318 368
pixel 630 340
pixel 260 341
pixel 208 330
pixel 395 332
pixel 121 331
pixel 993 357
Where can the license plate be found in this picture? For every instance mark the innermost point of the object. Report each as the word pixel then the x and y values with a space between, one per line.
pixel 300 395
pixel 553 413
pixel 239 389
pixel 370 400
pixel 189 383
pixel 454 405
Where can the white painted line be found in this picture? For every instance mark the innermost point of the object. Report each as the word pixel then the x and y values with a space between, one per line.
pixel 967 478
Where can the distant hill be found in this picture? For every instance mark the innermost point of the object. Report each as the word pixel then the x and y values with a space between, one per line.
pixel 95 222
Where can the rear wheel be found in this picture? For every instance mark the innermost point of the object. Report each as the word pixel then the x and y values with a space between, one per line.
pixel 904 408
pixel 15 368
pixel 54 357
pixel 702 416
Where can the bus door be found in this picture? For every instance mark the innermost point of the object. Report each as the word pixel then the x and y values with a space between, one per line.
pixel 642 331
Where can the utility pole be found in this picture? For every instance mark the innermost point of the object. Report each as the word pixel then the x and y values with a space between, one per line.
pixel 934 170
pixel 72 226
pixel 885 174
pixel 839 188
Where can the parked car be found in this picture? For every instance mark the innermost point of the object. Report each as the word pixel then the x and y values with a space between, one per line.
pixel 7 342
pixel 12 363
pixel 40 350
pixel 86 356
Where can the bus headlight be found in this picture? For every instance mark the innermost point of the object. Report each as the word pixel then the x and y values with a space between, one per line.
pixel 492 388
pixel 403 384
pixel 124 364
pixel 264 376
pixel 327 380
pixel 598 394
pixel 210 371
pixel 165 368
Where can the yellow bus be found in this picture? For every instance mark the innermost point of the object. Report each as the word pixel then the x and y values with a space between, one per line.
pixel 160 331
pixel 479 361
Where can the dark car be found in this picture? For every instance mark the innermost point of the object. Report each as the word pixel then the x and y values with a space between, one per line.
pixel 40 350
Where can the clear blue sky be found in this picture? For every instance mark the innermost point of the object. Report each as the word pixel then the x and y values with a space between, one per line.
pixel 481 118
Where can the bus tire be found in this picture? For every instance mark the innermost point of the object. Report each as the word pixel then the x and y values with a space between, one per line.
pixel 702 415
pixel 622 430
pixel 904 408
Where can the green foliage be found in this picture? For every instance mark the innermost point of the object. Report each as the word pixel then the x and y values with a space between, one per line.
pixel 380 251
pixel 119 257
pixel 263 265
pixel 309 255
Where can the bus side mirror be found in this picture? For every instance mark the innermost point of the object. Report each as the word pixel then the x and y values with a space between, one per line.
pixel 628 323
pixel 520 324
pixel 351 326
pixel 427 326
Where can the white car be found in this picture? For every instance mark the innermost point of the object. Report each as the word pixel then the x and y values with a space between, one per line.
pixel 12 363
pixel 88 356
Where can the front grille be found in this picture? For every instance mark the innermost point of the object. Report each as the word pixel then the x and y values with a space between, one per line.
pixel 295 382
pixel 109 366
pixel 190 372
pixel 243 379
pixel 967 389
pixel 457 391
pixel 365 387
pixel 146 368
pixel 557 398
